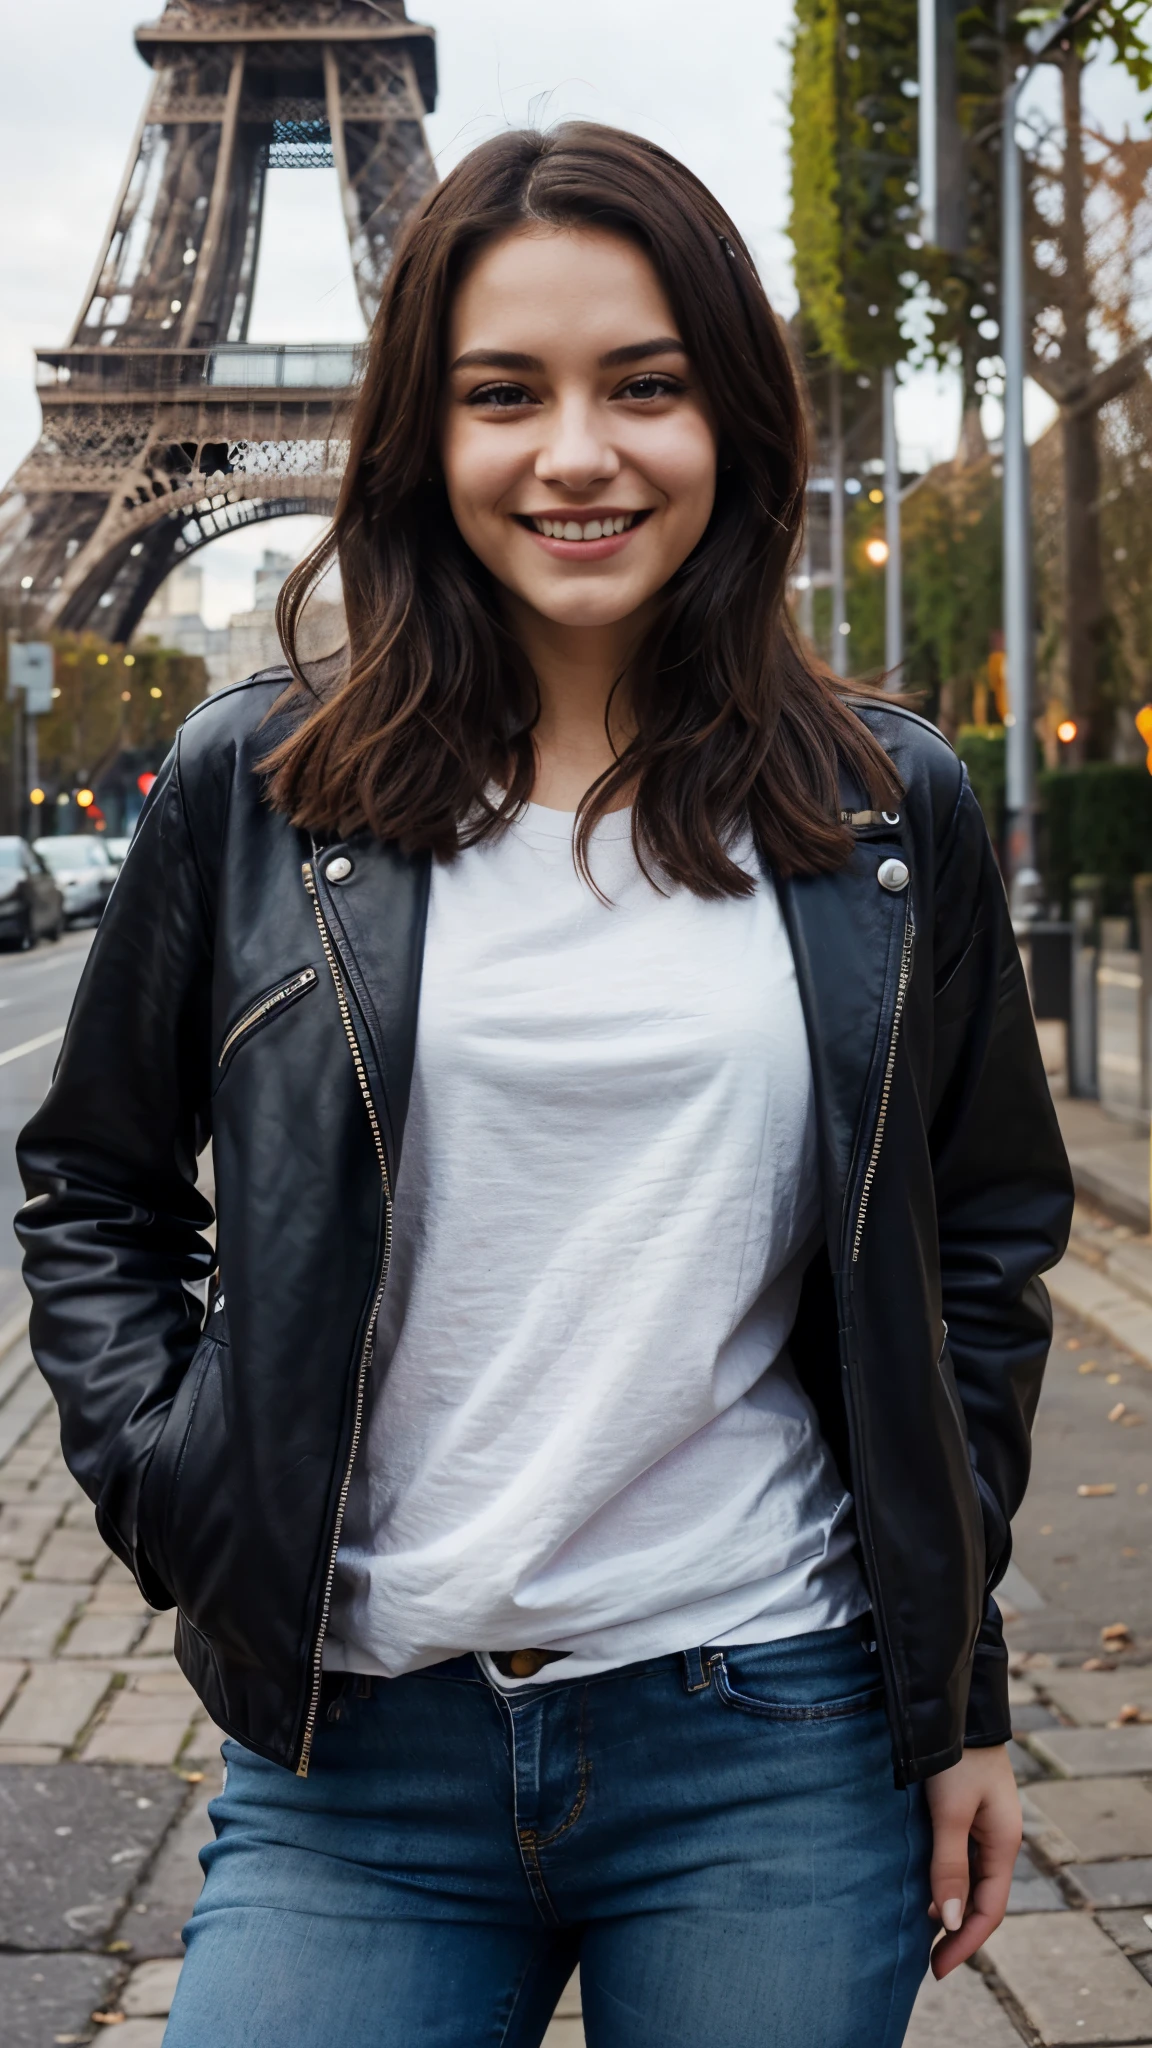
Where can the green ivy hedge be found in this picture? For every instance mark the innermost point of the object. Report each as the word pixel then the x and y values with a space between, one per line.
pixel 1096 820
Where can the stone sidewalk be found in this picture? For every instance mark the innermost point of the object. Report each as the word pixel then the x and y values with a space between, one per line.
pixel 107 1761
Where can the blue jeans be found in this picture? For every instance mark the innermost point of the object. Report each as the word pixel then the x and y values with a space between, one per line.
pixel 715 1839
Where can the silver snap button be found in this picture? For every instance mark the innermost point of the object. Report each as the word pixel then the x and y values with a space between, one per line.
pixel 338 870
pixel 890 817
pixel 892 874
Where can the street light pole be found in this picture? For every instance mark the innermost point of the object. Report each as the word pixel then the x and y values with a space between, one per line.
pixel 894 567
pixel 1019 633
pixel 1019 642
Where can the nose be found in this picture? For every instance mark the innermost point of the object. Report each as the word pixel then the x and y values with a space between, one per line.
pixel 577 452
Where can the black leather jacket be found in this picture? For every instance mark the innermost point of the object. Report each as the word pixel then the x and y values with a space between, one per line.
pixel 238 990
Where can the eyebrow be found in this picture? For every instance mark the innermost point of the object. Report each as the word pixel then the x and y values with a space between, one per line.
pixel 512 359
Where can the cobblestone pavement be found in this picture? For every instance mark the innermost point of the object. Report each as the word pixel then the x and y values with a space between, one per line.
pixel 107 1760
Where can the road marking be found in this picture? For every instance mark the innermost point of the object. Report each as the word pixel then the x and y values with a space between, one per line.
pixel 17 1052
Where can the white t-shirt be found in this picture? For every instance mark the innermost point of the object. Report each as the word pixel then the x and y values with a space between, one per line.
pixel 584 1432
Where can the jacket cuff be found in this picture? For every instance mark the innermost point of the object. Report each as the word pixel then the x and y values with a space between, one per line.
pixel 989 1721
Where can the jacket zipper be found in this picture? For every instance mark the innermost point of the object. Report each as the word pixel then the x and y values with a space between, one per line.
pixel 886 1090
pixel 370 1331
pixel 864 1520
pixel 260 1010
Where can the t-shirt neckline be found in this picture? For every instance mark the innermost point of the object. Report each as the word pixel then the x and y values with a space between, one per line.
pixel 541 820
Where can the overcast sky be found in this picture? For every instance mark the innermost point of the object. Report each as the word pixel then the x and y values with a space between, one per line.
pixel 709 82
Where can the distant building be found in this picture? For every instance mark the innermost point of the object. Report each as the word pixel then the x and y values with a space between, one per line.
pixel 248 642
pixel 252 639
pixel 175 617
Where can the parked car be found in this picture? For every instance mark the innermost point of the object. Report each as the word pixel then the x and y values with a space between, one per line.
pixel 80 865
pixel 31 905
pixel 117 848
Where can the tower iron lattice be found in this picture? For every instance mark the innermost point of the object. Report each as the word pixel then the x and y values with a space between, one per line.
pixel 162 425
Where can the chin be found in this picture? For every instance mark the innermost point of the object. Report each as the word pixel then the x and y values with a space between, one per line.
pixel 584 608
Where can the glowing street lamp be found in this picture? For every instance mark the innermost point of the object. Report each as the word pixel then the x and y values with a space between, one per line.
pixel 877 552
pixel 85 797
pixel 1067 730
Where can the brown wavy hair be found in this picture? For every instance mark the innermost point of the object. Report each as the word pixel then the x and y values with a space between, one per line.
pixel 734 718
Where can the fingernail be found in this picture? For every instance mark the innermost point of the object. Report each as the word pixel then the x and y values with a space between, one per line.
pixel 952 1914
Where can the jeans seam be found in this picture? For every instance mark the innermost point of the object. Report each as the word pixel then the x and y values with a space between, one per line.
pixel 525 1837
pixel 584 1771
pixel 529 1966
pixel 909 1797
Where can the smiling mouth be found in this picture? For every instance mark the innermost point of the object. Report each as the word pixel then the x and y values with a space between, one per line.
pixel 603 528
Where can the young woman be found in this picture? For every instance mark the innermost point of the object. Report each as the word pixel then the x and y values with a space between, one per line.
pixel 633 1163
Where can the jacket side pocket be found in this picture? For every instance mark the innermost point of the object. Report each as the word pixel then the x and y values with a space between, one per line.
pixel 166 1463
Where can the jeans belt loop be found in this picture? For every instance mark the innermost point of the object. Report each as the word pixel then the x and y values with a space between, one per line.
pixel 697 1674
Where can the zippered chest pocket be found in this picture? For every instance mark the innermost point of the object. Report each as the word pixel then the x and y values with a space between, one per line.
pixel 264 1010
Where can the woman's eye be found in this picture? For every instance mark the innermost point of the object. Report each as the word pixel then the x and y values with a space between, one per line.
pixel 650 386
pixel 501 397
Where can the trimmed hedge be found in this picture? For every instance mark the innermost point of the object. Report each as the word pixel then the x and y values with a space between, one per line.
pixel 1096 820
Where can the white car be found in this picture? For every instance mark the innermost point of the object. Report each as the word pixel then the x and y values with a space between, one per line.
pixel 79 865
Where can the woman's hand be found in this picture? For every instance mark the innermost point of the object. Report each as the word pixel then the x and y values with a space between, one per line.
pixel 976 1832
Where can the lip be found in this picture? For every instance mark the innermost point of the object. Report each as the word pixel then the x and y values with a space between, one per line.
pixel 587 550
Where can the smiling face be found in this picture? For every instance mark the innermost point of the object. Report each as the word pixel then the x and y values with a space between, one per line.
pixel 578 449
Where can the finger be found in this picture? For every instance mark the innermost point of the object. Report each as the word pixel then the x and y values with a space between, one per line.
pixel 953 1949
pixel 949 1872
pixel 996 1859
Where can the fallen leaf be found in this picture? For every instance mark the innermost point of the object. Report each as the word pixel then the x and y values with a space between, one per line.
pixel 108 2019
pixel 1128 1713
pixel 1072 1344
pixel 66 2040
pixel 1116 1635
pixel 1089 1365
pixel 1115 1413
pixel 1095 1492
pixel 118 1948
pixel 1097 1664
pixel 1112 1379
pixel 1132 1422
pixel 192 1777
pixel 1143 1486
pixel 1046 1529
pixel 1126 1552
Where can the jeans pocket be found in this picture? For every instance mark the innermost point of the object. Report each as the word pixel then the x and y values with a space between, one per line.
pixel 787 1687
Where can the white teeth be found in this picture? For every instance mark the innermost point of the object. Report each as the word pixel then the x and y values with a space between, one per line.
pixel 591 529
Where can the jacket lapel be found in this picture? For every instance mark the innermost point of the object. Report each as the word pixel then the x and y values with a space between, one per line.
pixel 377 918
pixel 846 934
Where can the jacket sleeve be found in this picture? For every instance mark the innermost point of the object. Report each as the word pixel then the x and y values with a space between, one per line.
pixel 113 1230
pixel 1004 1205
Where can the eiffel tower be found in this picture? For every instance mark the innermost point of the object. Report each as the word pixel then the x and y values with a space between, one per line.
pixel 163 427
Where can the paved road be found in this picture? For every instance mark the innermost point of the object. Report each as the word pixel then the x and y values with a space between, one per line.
pixel 36 991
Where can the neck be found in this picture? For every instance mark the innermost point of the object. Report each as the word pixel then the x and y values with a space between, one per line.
pixel 578 737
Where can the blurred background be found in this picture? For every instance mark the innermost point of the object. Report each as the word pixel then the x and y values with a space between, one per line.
pixel 199 214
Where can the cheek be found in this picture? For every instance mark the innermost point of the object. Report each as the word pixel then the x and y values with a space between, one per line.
pixel 478 469
pixel 682 464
